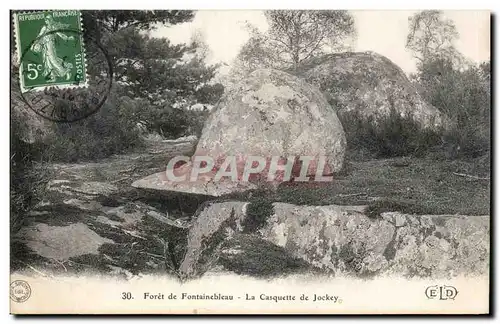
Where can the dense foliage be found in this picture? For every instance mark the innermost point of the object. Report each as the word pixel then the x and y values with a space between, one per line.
pixel 458 88
pixel 293 37
pixel 464 95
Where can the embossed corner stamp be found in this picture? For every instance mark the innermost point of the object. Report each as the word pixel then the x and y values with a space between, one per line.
pixel 50 49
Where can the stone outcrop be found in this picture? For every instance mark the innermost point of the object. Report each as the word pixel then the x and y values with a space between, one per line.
pixel 92 219
pixel 342 240
pixel 211 227
pixel 204 187
pixel 269 114
pixel 369 84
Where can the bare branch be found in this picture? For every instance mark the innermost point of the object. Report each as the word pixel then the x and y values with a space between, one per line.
pixel 470 176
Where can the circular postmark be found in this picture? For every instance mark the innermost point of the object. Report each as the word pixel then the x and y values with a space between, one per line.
pixel 75 95
pixel 20 291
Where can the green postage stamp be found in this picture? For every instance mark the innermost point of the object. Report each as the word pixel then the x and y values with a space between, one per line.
pixel 50 49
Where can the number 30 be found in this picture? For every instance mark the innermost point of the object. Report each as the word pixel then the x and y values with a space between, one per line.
pixel 126 295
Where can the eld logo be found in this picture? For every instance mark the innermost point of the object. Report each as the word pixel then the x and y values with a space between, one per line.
pixel 441 292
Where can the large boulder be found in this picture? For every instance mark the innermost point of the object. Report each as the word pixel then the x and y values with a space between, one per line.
pixel 269 114
pixel 272 113
pixel 341 240
pixel 369 84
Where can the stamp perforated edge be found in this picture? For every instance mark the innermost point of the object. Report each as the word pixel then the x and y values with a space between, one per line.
pixel 19 55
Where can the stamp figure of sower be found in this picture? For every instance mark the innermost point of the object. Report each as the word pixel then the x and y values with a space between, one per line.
pixel 50 49
pixel 53 66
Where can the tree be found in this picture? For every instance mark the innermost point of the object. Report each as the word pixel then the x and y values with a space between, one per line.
pixel 457 87
pixel 148 67
pixel 295 36
pixel 431 36
pixel 98 22
pixel 155 69
pixel 198 41
pixel 167 76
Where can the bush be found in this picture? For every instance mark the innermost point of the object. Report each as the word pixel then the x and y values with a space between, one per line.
pixel 27 176
pixel 464 95
pixel 112 130
pixel 470 140
pixel 174 123
pixel 163 119
pixel 258 212
pixel 387 136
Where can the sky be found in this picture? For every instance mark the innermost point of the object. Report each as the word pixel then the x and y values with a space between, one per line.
pixel 383 32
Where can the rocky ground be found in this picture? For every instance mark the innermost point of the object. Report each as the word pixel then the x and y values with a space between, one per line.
pixel 92 219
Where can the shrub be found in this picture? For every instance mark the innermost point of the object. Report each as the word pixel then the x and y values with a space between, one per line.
pixel 388 136
pixel 163 119
pixel 111 130
pixel 464 95
pixel 470 139
pixel 173 123
pixel 27 176
pixel 258 212
pixel 114 129
pixel 376 208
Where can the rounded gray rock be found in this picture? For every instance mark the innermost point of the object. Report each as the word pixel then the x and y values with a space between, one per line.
pixel 371 85
pixel 272 113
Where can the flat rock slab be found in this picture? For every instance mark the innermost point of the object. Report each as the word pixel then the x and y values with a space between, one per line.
pixel 92 218
pixel 159 181
pixel 75 236
pixel 63 242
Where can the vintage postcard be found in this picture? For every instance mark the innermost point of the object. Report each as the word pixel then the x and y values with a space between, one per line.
pixel 250 162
